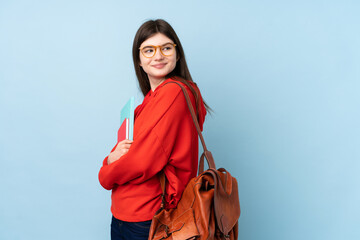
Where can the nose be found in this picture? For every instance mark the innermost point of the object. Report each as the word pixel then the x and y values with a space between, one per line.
pixel 158 55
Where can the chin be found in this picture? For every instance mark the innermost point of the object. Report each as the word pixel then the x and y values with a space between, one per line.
pixel 161 75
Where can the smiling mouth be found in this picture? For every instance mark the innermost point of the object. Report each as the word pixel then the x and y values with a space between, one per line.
pixel 159 66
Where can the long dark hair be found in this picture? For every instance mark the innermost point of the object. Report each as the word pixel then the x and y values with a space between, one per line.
pixel 181 70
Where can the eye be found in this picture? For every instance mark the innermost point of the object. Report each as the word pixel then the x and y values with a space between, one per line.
pixel 167 47
pixel 148 50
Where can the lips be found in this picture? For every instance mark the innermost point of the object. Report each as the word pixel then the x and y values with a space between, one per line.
pixel 159 66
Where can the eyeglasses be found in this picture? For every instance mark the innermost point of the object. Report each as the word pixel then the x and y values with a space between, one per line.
pixel 166 50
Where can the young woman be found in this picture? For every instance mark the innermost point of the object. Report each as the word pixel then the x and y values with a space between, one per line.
pixel 165 137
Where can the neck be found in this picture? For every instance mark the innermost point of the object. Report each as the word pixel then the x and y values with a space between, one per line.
pixel 154 83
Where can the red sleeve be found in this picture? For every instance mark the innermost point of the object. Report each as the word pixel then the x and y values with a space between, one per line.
pixel 157 142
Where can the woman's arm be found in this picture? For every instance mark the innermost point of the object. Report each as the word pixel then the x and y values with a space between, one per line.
pixel 147 156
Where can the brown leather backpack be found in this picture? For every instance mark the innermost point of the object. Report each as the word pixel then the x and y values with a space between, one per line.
pixel 209 207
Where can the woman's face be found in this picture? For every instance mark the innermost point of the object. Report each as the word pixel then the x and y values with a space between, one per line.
pixel 158 66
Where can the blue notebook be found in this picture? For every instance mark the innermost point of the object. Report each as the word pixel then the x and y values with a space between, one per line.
pixel 126 129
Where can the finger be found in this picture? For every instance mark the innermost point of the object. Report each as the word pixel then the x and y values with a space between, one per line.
pixel 123 143
pixel 126 144
pixel 126 141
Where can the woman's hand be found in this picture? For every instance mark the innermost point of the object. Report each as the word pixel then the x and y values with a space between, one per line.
pixel 121 149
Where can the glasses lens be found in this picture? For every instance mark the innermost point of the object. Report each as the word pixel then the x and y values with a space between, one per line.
pixel 168 49
pixel 148 51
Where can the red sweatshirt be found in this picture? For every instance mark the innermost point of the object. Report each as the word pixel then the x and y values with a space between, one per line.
pixel 164 138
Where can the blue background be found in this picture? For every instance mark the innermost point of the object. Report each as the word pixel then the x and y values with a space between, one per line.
pixel 282 77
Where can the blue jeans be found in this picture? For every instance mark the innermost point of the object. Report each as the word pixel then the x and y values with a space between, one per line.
pixel 121 230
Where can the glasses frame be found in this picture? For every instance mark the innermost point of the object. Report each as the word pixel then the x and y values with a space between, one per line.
pixel 156 47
